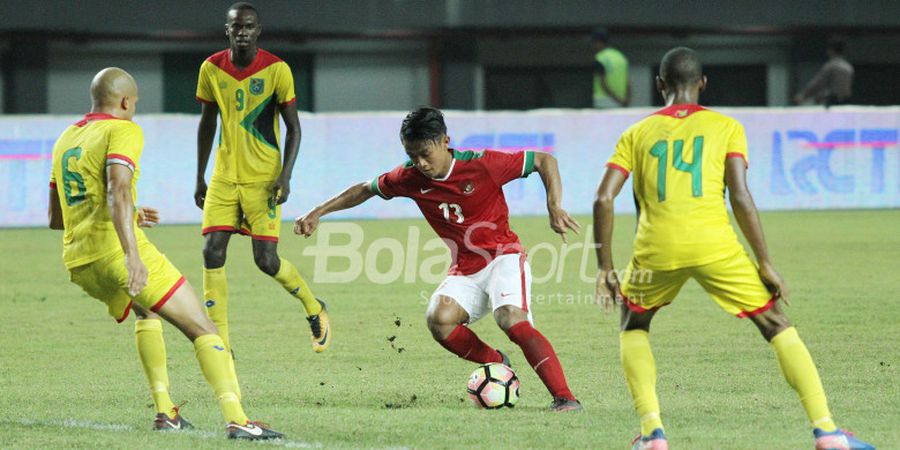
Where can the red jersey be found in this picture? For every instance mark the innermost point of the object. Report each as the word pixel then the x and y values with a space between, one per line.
pixel 466 208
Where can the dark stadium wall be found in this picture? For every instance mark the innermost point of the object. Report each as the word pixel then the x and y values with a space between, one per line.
pixel 24 67
pixel 551 71
pixel 459 54
pixel 356 16
pixel 370 81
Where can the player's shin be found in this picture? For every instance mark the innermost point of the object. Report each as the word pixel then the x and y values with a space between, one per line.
pixel 292 282
pixel 464 343
pixel 152 351
pixel 640 374
pixel 215 295
pixel 541 357
pixel 800 372
pixel 219 373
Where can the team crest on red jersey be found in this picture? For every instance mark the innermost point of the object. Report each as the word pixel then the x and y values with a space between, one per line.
pixel 468 187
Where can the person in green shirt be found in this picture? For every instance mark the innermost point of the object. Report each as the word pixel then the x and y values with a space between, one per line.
pixel 611 86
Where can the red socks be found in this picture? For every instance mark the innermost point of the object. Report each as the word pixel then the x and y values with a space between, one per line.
pixel 464 343
pixel 541 357
pixel 537 349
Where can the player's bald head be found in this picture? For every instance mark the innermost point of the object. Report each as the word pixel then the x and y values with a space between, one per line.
pixel 111 85
pixel 680 67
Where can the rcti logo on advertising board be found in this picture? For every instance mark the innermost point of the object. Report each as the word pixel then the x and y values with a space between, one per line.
pixel 840 161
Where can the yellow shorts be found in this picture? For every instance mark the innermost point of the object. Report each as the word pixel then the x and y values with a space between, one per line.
pixel 106 279
pixel 732 282
pixel 246 208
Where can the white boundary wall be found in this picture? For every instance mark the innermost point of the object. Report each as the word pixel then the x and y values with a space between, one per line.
pixel 800 158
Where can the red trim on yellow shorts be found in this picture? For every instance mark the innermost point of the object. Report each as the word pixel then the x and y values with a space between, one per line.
pixel 635 307
pixel 168 295
pixel 228 228
pixel 257 237
pixel 124 315
pixel 759 310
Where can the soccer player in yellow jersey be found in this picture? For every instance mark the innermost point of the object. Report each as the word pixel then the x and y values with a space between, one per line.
pixel 247 86
pixel 682 158
pixel 96 163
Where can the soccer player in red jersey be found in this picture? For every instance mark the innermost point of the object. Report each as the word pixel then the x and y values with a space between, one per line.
pixel 461 196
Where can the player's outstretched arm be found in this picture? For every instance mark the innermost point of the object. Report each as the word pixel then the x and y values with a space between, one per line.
pixel 54 211
pixel 206 132
pixel 560 221
pixel 282 187
pixel 121 209
pixel 748 219
pixel 607 287
pixel 351 197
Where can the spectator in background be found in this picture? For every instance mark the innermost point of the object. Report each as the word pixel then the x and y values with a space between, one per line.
pixel 611 86
pixel 833 84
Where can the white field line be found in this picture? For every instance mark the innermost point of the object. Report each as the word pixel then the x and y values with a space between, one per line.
pixel 88 425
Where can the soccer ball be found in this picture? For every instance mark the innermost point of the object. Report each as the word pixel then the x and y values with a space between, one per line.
pixel 493 386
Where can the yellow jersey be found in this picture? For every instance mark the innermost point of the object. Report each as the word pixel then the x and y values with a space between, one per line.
pixel 677 156
pixel 248 102
pixel 80 157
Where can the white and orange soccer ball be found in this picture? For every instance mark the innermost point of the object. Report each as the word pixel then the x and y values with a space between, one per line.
pixel 493 386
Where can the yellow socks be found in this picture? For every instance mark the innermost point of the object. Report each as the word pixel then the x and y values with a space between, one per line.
pixel 215 297
pixel 800 372
pixel 640 374
pixel 152 351
pixel 793 357
pixel 215 362
pixel 291 280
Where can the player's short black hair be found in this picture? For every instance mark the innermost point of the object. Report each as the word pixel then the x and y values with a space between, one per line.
pixel 241 6
pixel 837 44
pixel 423 123
pixel 600 34
pixel 681 67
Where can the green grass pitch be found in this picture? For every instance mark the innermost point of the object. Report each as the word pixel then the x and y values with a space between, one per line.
pixel 70 377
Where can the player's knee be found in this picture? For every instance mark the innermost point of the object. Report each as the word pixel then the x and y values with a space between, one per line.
pixel 441 331
pixel 442 318
pixel 771 323
pixel 506 316
pixel 213 255
pixel 439 325
pixel 267 261
pixel 631 320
